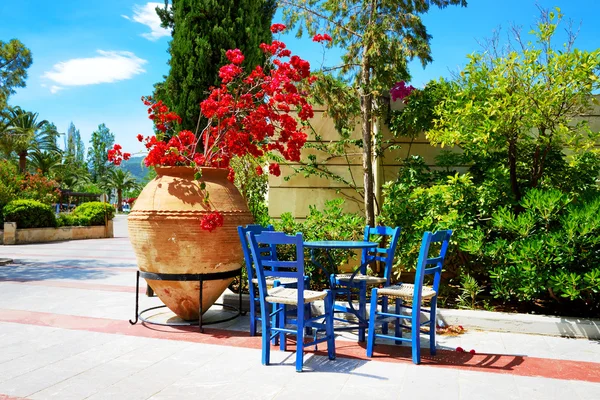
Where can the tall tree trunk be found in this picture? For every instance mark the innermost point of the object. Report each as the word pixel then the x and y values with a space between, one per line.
pixel 120 200
pixel 366 110
pixel 23 161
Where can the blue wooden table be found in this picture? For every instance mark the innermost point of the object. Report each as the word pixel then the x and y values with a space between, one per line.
pixel 331 270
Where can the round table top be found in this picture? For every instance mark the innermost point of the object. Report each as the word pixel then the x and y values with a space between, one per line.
pixel 340 244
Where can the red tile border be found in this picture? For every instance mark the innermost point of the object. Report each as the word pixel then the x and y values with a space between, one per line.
pixel 493 363
pixel 7 397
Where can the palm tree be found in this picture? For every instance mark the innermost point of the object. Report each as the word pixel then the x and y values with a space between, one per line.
pixel 120 180
pixel 47 162
pixel 24 133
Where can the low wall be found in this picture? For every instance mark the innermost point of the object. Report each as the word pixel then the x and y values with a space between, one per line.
pixel 12 235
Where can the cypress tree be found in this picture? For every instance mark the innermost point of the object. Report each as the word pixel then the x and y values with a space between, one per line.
pixel 202 31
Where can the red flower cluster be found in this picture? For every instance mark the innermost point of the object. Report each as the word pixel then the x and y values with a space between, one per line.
pixel 401 91
pixel 322 38
pixel 276 28
pixel 160 114
pixel 212 221
pixel 248 114
pixel 116 156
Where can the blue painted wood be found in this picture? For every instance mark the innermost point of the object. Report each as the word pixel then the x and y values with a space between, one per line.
pixel 340 244
pixel 442 237
pixel 272 266
pixel 371 252
pixel 252 288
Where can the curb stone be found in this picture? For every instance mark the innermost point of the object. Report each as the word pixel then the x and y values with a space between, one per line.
pixel 571 327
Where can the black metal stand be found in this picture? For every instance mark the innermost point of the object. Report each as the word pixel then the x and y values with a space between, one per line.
pixel 200 278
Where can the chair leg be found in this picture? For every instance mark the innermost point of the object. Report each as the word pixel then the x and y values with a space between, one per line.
pixel 384 308
pixel 275 317
pixel 362 311
pixel 372 318
pixel 300 338
pixel 329 327
pixel 281 322
pixel 432 325
pixel 397 328
pixel 415 333
pixel 266 333
pixel 252 312
pixel 308 329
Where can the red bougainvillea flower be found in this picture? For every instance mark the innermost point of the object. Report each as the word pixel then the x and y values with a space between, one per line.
pixel 401 91
pixel 274 169
pixel 321 38
pixel 235 56
pixel 116 156
pixel 276 28
pixel 250 113
pixel 212 221
pixel 259 170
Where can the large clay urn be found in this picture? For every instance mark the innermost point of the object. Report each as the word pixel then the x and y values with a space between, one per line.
pixel 164 229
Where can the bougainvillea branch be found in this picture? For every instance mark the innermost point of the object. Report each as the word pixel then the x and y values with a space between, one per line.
pixel 248 114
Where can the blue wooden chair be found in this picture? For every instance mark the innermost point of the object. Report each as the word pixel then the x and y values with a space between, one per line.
pixel 264 254
pixel 345 283
pixel 415 293
pixel 252 279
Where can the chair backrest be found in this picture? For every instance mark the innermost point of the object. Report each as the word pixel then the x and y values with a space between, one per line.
pixel 242 232
pixel 426 260
pixel 382 254
pixel 267 263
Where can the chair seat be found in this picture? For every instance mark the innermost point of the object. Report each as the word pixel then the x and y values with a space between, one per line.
pixel 283 295
pixel 371 280
pixel 270 281
pixel 406 291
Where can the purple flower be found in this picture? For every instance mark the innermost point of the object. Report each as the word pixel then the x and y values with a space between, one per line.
pixel 401 90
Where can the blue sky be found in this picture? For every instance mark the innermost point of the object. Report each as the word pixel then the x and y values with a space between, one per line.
pixel 93 60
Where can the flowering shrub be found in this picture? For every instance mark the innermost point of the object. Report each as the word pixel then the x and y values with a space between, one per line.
pixel 401 91
pixel 248 114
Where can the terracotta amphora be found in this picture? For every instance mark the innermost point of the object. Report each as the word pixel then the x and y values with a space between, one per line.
pixel 164 229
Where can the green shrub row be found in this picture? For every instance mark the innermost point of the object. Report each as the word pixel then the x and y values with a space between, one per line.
pixel 35 214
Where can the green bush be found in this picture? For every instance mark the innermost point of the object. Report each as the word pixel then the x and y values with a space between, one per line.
pixel 543 249
pixel 332 223
pixel 29 214
pixel 97 212
pixel 72 220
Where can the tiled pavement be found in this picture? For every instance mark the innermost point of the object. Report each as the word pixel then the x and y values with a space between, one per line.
pixel 64 334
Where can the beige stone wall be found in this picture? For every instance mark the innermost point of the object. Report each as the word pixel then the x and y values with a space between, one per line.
pixel 40 235
pixel 297 193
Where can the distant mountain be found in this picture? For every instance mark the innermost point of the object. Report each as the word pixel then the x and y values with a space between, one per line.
pixel 135 165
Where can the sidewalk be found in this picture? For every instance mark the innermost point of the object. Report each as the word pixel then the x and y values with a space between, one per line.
pixel 64 334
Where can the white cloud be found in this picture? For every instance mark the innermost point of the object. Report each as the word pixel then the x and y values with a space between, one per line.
pixel 107 67
pixel 55 89
pixel 146 15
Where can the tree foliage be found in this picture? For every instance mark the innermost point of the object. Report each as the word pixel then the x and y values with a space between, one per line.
pixel 519 104
pixel 24 133
pixel 15 58
pixel 102 140
pixel 378 38
pixel 202 31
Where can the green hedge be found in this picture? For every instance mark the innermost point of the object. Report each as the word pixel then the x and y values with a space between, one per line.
pixel 72 220
pixel 96 211
pixel 29 214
